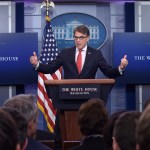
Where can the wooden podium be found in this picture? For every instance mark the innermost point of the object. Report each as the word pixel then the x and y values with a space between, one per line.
pixel 67 96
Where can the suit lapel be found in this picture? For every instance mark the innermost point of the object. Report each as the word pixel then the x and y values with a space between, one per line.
pixel 72 58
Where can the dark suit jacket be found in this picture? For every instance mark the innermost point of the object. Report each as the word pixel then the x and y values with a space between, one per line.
pixel 44 135
pixel 94 60
pixel 35 145
pixel 92 143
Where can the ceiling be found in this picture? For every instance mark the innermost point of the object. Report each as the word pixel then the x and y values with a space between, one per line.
pixel 76 1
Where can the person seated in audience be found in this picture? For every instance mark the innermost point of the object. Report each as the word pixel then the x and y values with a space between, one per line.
pixel 43 135
pixel 26 104
pixel 143 130
pixel 147 102
pixel 92 118
pixel 21 125
pixel 8 132
pixel 108 132
pixel 124 134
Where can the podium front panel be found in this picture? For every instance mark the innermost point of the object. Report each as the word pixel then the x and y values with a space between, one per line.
pixel 77 91
pixel 70 97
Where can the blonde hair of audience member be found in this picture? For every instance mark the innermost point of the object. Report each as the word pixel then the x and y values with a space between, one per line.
pixel 8 132
pixel 26 104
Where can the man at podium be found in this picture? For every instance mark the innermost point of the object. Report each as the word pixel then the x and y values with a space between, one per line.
pixel 80 61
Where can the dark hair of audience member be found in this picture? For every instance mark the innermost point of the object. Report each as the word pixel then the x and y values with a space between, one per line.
pixel 146 103
pixel 21 124
pixel 143 130
pixel 8 132
pixel 108 132
pixel 92 117
pixel 125 130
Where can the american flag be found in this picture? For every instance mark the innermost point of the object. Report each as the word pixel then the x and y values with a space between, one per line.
pixel 48 53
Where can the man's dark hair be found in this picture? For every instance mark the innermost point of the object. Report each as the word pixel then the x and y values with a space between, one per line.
pixel 82 29
pixel 108 132
pixel 8 132
pixel 92 117
pixel 21 124
pixel 143 130
pixel 125 130
pixel 146 103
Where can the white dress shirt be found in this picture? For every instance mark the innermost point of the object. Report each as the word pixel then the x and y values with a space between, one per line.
pixel 83 53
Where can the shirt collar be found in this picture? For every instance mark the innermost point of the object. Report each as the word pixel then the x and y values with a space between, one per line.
pixel 84 49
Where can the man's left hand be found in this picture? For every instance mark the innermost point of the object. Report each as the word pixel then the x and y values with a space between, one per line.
pixel 124 62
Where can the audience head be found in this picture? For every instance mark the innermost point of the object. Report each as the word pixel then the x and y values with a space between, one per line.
pixel 21 125
pixel 143 130
pixel 108 132
pixel 92 117
pixel 26 104
pixel 146 103
pixel 8 132
pixel 124 134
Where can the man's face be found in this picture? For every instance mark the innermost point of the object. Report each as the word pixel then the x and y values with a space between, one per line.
pixel 80 40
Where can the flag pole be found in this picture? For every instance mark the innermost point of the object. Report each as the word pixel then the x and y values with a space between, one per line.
pixel 49 48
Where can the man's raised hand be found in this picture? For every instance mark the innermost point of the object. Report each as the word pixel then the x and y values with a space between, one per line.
pixel 34 59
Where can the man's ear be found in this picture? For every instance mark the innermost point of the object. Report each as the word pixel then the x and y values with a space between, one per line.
pixel 88 38
pixel 115 145
pixel 30 128
pixel 18 147
pixel 137 147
